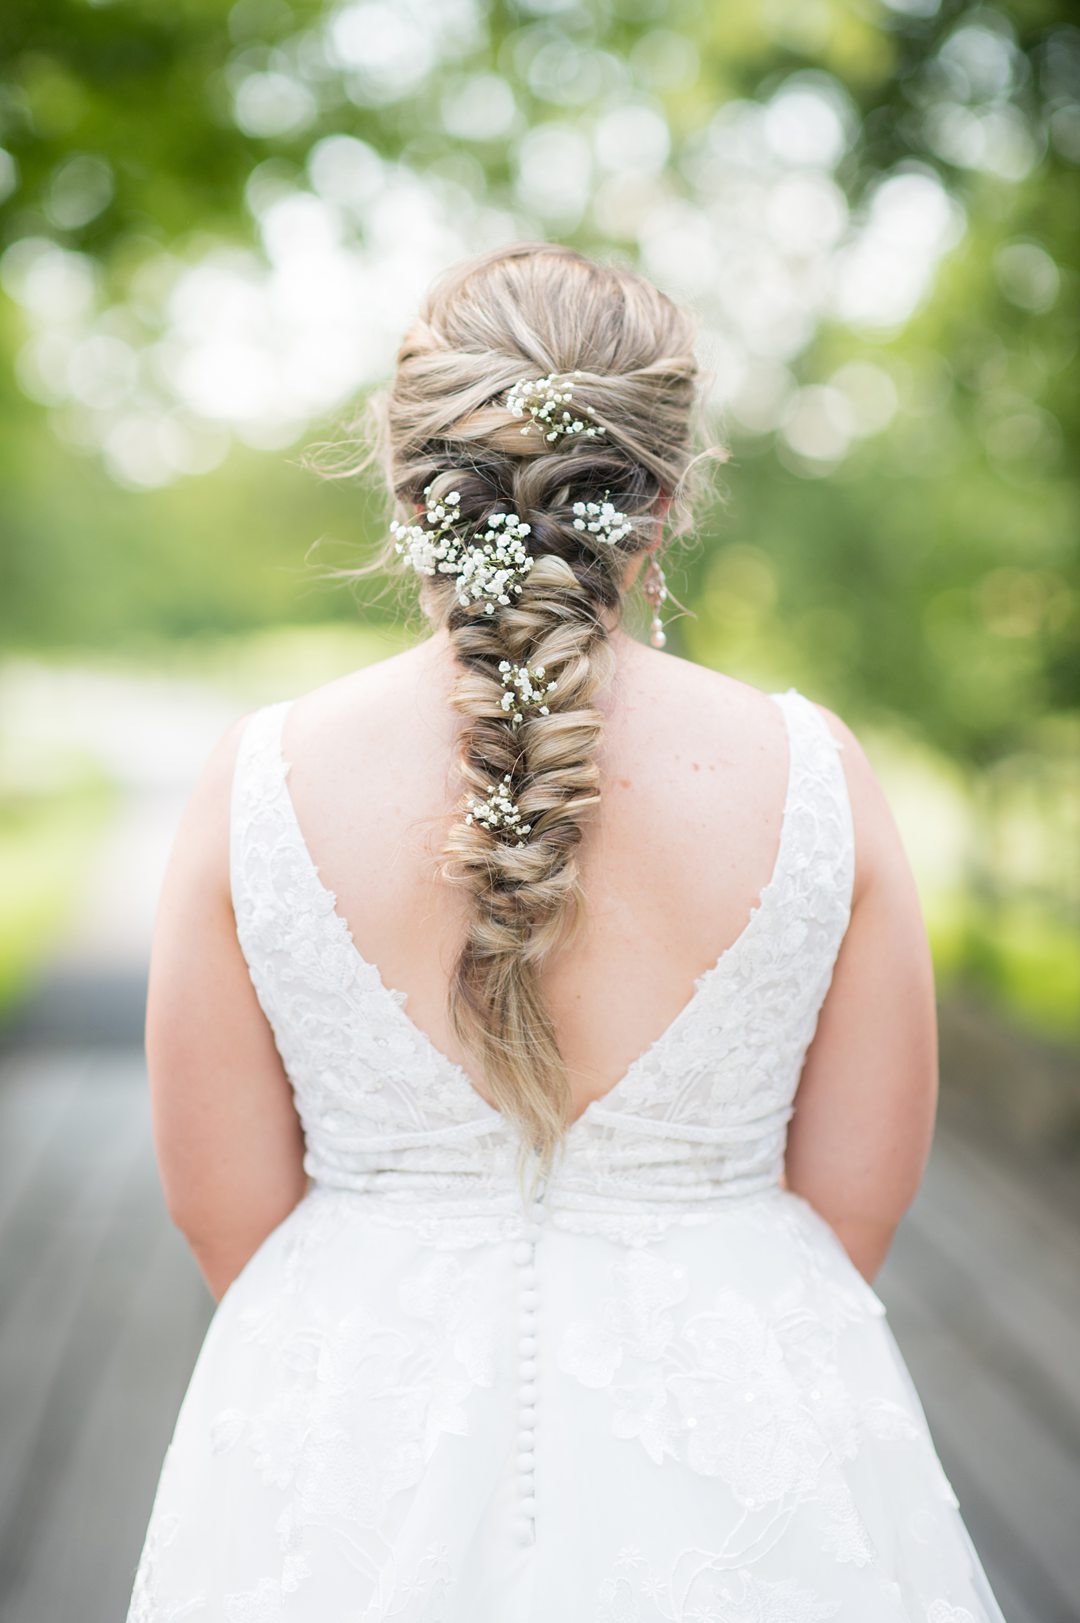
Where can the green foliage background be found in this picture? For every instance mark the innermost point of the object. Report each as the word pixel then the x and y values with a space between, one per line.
pixel 925 584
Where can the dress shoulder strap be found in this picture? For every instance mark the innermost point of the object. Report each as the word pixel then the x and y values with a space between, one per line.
pixel 819 814
pixel 256 822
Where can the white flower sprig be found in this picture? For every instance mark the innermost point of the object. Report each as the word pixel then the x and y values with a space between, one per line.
pixel 498 812
pixel 602 520
pixel 492 569
pixel 546 400
pixel 526 691
pixel 435 548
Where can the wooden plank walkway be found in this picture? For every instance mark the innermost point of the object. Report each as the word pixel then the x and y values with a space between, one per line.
pixel 102 1313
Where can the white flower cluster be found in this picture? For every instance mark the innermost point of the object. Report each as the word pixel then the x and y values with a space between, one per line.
pixel 492 568
pixel 546 401
pixel 526 691
pixel 602 520
pixel 434 549
pixel 499 812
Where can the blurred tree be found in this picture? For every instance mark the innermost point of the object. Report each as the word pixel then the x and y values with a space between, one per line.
pixel 211 209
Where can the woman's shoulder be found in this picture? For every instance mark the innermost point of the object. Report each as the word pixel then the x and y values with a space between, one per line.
pixel 744 717
pixel 706 697
pixel 380 693
pixel 692 712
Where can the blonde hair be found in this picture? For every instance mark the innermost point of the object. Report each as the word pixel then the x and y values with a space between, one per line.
pixel 442 425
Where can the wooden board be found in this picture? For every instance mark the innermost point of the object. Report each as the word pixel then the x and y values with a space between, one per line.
pixel 102 1313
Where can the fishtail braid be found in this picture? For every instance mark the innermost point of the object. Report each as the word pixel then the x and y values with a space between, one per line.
pixel 535 386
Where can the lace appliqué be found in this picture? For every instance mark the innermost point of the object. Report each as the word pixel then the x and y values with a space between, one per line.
pixel 701 1588
pixel 385 1113
pixel 415 1596
pixel 755 1402
pixel 359 1407
pixel 148 1603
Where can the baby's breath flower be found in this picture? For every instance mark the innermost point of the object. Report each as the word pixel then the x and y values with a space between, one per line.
pixel 602 520
pixel 490 568
pixel 546 400
pixel 526 691
pixel 434 548
pixel 493 567
pixel 498 812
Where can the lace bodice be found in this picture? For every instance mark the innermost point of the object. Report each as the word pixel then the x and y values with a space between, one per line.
pixel 701 1116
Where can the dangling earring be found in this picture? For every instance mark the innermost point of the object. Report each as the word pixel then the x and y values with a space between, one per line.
pixel 655 589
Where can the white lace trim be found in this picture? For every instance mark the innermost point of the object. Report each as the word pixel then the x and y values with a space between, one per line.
pixel 698 1118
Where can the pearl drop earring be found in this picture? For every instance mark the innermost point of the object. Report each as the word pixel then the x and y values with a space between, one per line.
pixel 655 588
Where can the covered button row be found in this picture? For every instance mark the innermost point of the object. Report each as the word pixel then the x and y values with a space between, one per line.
pixel 528 1301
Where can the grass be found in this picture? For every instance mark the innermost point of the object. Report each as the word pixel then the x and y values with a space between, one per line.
pixel 1020 953
pixel 46 842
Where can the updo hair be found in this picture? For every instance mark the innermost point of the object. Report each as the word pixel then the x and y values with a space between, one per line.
pixel 443 425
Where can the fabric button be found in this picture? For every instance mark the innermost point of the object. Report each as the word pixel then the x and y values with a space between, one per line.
pixel 525 1257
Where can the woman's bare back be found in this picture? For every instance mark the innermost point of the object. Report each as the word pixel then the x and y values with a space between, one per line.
pixel 694 778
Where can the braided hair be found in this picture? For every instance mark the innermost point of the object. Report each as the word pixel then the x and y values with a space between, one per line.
pixel 461 435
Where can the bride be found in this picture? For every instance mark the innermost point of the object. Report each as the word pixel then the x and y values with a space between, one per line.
pixel 542 1047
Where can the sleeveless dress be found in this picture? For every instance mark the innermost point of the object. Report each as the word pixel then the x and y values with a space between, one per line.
pixel 657 1390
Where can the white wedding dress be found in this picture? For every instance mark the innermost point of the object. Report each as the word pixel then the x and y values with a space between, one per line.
pixel 661 1391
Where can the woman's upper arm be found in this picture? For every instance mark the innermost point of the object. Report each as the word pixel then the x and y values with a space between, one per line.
pixel 865 1106
pixel 228 1139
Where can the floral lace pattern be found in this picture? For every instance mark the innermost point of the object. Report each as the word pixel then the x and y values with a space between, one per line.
pixel 659 1392
pixel 353 1405
pixel 699 1118
pixel 701 1589
pixel 755 1400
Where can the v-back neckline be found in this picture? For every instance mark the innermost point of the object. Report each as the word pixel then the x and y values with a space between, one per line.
pixel 396 1000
